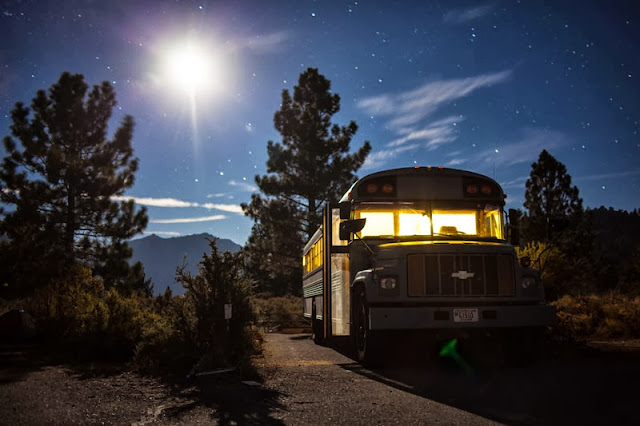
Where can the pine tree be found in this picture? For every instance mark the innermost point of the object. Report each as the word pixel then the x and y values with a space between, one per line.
pixel 58 185
pixel 312 165
pixel 555 217
pixel 550 200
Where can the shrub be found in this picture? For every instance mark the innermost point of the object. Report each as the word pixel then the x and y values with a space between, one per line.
pixel 609 316
pixel 219 341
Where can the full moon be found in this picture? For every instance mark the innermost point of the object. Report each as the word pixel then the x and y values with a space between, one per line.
pixel 191 67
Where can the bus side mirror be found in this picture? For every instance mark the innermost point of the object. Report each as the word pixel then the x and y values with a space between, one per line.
pixel 345 210
pixel 349 227
pixel 514 226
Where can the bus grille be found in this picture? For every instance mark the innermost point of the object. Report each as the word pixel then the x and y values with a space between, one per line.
pixel 461 275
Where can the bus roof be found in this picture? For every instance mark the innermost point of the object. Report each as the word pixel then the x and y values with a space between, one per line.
pixel 425 183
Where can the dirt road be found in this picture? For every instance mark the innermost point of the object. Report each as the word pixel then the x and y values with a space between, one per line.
pixel 309 384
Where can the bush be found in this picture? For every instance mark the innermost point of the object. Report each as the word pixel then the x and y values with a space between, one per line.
pixel 78 317
pixel 220 342
pixel 610 316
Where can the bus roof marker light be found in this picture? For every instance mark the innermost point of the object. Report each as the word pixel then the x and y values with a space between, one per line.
pixel 387 188
pixel 371 188
pixel 486 189
pixel 472 188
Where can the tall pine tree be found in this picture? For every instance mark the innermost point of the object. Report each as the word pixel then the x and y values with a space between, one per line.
pixel 555 217
pixel 312 165
pixel 57 186
pixel 550 200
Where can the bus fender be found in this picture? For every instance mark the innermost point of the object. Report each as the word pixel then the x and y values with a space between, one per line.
pixel 364 279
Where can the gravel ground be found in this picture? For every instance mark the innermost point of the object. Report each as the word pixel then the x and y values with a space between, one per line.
pixel 309 384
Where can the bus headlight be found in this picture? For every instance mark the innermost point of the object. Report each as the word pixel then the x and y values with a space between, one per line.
pixel 528 281
pixel 388 283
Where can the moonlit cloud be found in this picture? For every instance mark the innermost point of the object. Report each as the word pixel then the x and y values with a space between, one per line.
pixel 243 186
pixel 155 202
pixel 460 16
pixel 408 113
pixel 173 203
pixel 266 43
pixel 526 149
pixel 190 219
pixel 407 108
pixel 608 175
pixel 231 208
pixel 432 135
pixel 379 158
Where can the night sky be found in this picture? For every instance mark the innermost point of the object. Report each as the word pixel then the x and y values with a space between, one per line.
pixel 470 85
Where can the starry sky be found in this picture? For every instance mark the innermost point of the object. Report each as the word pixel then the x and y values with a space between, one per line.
pixel 481 86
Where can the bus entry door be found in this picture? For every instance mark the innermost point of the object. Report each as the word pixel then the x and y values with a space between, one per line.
pixel 337 275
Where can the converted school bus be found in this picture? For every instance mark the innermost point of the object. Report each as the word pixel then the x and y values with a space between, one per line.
pixel 420 248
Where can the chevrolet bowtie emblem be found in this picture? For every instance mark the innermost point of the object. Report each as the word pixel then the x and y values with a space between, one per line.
pixel 463 275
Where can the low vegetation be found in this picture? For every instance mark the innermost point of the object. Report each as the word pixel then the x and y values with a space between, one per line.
pixel 598 317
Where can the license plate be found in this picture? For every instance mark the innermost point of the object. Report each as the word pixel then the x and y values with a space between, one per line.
pixel 465 315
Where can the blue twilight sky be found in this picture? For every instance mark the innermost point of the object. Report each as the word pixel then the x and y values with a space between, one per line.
pixel 483 86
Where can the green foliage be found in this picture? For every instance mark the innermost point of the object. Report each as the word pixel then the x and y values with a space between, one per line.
pixel 59 178
pixel 608 316
pixel 76 315
pixel 220 341
pixel 311 165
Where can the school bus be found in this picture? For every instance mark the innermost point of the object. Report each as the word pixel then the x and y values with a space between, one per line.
pixel 422 248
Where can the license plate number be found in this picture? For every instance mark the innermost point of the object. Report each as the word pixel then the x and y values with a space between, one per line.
pixel 465 315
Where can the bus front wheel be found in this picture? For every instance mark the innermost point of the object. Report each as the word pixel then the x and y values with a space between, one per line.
pixel 368 346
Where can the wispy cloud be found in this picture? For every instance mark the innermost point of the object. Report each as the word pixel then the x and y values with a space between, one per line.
pixel 408 108
pixel 518 183
pixel 155 202
pixel 379 158
pixel 432 135
pixel 408 113
pixel 231 208
pixel 460 16
pixel 266 43
pixel 174 203
pixel 190 219
pixel 243 186
pixel 608 175
pixel 524 149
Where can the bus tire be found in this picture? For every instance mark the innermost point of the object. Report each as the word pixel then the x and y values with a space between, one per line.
pixel 368 345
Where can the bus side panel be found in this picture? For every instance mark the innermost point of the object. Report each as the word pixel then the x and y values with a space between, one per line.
pixel 312 288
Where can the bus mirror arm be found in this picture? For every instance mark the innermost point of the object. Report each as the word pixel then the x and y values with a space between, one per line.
pixel 354 226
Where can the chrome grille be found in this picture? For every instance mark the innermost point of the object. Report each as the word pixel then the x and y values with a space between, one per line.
pixel 460 275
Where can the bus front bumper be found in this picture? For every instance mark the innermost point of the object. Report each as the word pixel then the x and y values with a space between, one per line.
pixel 423 317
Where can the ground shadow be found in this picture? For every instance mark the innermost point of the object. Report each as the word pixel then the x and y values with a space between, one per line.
pixel 576 387
pixel 18 360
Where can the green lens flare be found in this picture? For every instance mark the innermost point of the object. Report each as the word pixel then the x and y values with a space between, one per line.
pixel 449 349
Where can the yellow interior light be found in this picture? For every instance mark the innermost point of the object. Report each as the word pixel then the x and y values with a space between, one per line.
pixel 447 222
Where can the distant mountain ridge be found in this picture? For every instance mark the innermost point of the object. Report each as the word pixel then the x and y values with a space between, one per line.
pixel 161 256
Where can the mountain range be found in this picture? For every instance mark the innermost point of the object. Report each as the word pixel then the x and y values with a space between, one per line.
pixel 161 256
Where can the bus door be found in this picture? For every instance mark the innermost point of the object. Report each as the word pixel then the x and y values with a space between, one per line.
pixel 336 275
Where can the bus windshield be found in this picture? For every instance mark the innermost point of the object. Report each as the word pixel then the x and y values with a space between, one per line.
pixel 461 220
